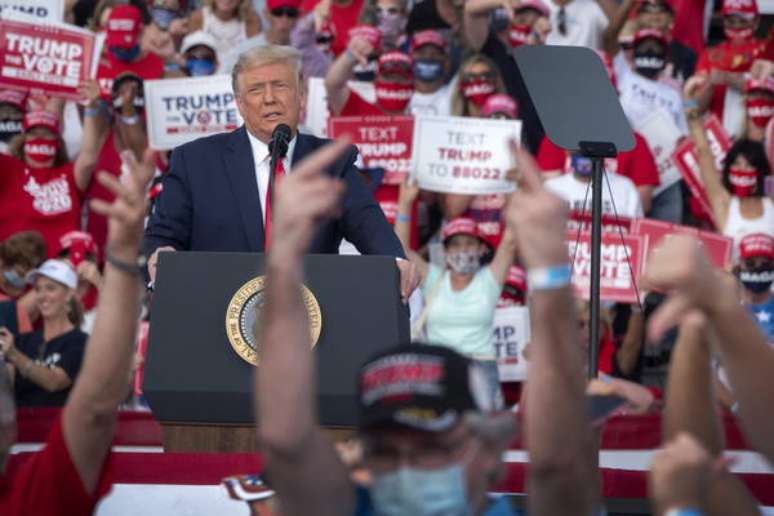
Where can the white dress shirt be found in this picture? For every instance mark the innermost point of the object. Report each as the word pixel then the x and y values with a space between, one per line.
pixel 261 159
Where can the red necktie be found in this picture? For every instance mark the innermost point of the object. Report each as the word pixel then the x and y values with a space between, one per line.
pixel 278 172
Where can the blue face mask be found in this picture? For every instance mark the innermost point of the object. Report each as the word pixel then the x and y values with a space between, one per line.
pixel 421 493
pixel 163 17
pixel 13 278
pixel 428 70
pixel 126 54
pixel 199 67
pixel 581 165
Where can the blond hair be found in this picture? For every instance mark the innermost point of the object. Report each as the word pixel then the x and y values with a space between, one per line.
pixel 244 10
pixel 459 106
pixel 263 55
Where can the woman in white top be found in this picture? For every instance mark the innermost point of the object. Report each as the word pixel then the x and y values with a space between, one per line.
pixel 230 22
pixel 736 195
pixel 460 298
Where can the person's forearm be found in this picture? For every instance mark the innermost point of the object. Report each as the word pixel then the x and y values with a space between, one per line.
pixel 717 194
pixel 42 376
pixel 617 21
pixel 402 226
pixel 94 135
pixel 481 8
pixel 629 353
pixel 336 81
pixel 454 205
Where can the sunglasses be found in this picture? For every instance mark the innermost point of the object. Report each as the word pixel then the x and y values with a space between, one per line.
pixel 389 10
pixel 290 12
pixel 561 21
pixel 468 77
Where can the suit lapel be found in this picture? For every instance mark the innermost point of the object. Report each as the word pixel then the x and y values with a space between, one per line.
pixel 240 169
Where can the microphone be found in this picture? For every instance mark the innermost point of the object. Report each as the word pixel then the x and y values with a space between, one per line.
pixel 278 146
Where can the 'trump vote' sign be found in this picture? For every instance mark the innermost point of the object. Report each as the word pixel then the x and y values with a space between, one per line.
pixel 37 10
pixel 463 155
pixel 182 110
pixel 52 59
pixel 511 334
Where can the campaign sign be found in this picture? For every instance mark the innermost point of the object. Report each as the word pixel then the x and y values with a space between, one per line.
pixel 620 262
pixel 463 155
pixel 662 135
pixel 182 110
pixel 511 334
pixel 654 232
pixel 383 142
pixel 39 10
pixel 52 59
pixel 686 159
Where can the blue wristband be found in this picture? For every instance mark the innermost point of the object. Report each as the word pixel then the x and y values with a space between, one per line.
pixel 548 278
pixel 402 217
pixel 687 511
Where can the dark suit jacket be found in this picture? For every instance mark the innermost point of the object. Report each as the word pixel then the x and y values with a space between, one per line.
pixel 210 202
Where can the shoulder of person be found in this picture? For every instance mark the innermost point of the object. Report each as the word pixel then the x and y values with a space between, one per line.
pixel 208 144
pixel 74 337
pixel 311 143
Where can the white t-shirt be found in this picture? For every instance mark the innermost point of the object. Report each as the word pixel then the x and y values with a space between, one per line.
pixel 738 227
pixel 640 96
pixel 625 196
pixel 438 103
pixel 585 21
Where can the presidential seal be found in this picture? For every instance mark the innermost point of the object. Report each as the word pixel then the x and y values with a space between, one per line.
pixel 243 318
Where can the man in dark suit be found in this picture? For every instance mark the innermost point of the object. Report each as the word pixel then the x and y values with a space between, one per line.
pixel 216 194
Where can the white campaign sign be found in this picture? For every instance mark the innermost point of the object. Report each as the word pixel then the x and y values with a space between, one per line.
pixel 33 10
pixel 317 113
pixel 182 110
pixel 511 335
pixel 662 135
pixel 463 155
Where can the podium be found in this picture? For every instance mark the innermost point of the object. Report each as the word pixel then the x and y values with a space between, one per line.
pixel 197 384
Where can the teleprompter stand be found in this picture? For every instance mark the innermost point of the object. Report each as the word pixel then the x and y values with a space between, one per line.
pixel 580 112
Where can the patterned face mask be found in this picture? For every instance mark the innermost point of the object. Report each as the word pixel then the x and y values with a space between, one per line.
pixel 463 262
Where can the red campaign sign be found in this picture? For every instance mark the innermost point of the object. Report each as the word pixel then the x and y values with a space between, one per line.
pixel 383 142
pixel 51 59
pixel 687 161
pixel 620 263
pixel 653 232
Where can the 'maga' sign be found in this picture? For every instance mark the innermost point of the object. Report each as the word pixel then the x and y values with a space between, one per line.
pixel 182 110
pixel 38 10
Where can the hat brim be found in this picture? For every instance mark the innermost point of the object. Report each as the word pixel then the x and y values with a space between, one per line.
pixel 391 417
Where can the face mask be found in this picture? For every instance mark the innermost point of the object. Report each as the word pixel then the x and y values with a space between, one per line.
pixel 126 54
pixel 421 493
pixel 759 111
pixel 463 262
pixel 743 181
pixel 9 129
pixel 199 67
pixel 519 35
pixel 581 165
pixel 163 17
pixel 477 90
pixel 392 96
pixel 428 70
pixel 738 34
pixel 649 63
pixel 759 280
pixel 13 279
pixel 40 150
pixel 391 25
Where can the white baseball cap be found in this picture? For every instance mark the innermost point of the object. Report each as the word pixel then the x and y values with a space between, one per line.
pixel 56 270
pixel 197 38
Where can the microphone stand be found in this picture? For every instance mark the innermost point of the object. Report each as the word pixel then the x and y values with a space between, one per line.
pixel 278 149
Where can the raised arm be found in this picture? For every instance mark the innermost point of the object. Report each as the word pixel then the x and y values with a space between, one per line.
pixel 340 72
pixel 90 413
pixel 476 24
pixel 617 21
pixel 561 476
pixel 305 471
pixel 406 196
pixel 503 258
pixel 94 134
pixel 719 197
pixel 682 268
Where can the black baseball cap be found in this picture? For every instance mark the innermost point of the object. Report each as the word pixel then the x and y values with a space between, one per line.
pixel 420 386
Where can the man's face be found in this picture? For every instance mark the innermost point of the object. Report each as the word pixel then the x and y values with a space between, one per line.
pixel 269 95
pixel 282 20
pixel 653 15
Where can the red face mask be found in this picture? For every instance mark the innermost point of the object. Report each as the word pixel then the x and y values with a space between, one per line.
pixel 393 96
pixel 477 90
pixel 743 181
pixel 759 111
pixel 519 35
pixel 738 34
pixel 40 150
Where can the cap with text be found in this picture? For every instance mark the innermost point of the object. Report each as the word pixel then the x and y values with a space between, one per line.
pixel 757 245
pixel 16 98
pixel 276 4
pixel 743 8
pixel 41 118
pixel 395 61
pixel 460 226
pixel 536 5
pixel 500 103
pixel 79 245
pixel 123 26
pixel 428 37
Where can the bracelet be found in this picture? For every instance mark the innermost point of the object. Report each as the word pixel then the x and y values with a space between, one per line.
pixel 25 371
pixel 686 511
pixel 130 120
pixel 548 278
pixel 91 112
pixel 402 217
pixel 135 269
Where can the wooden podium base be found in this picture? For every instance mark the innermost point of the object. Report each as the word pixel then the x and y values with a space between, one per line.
pixel 192 438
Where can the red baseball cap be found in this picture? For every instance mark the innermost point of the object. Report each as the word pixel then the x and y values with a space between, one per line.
pixel 460 226
pixel 79 244
pixel 395 61
pixel 744 8
pixel 123 26
pixel 14 97
pixel 650 33
pixel 536 5
pixel 755 245
pixel 276 4
pixel 45 119
pixel 500 103
pixel 428 37
pixel 766 85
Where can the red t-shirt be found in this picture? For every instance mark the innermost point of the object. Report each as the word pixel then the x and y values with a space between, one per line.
pixel 358 106
pixel 638 164
pixel 41 199
pixel 147 67
pixel 108 161
pixel 343 18
pixel 48 483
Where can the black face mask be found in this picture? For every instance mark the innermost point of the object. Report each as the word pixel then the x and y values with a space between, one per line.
pixel 649 63
pixel 9 128
pixel 758 280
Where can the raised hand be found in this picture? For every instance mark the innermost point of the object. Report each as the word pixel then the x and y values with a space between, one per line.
pixel 89 91
pixel 680 474
pixel 360 48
